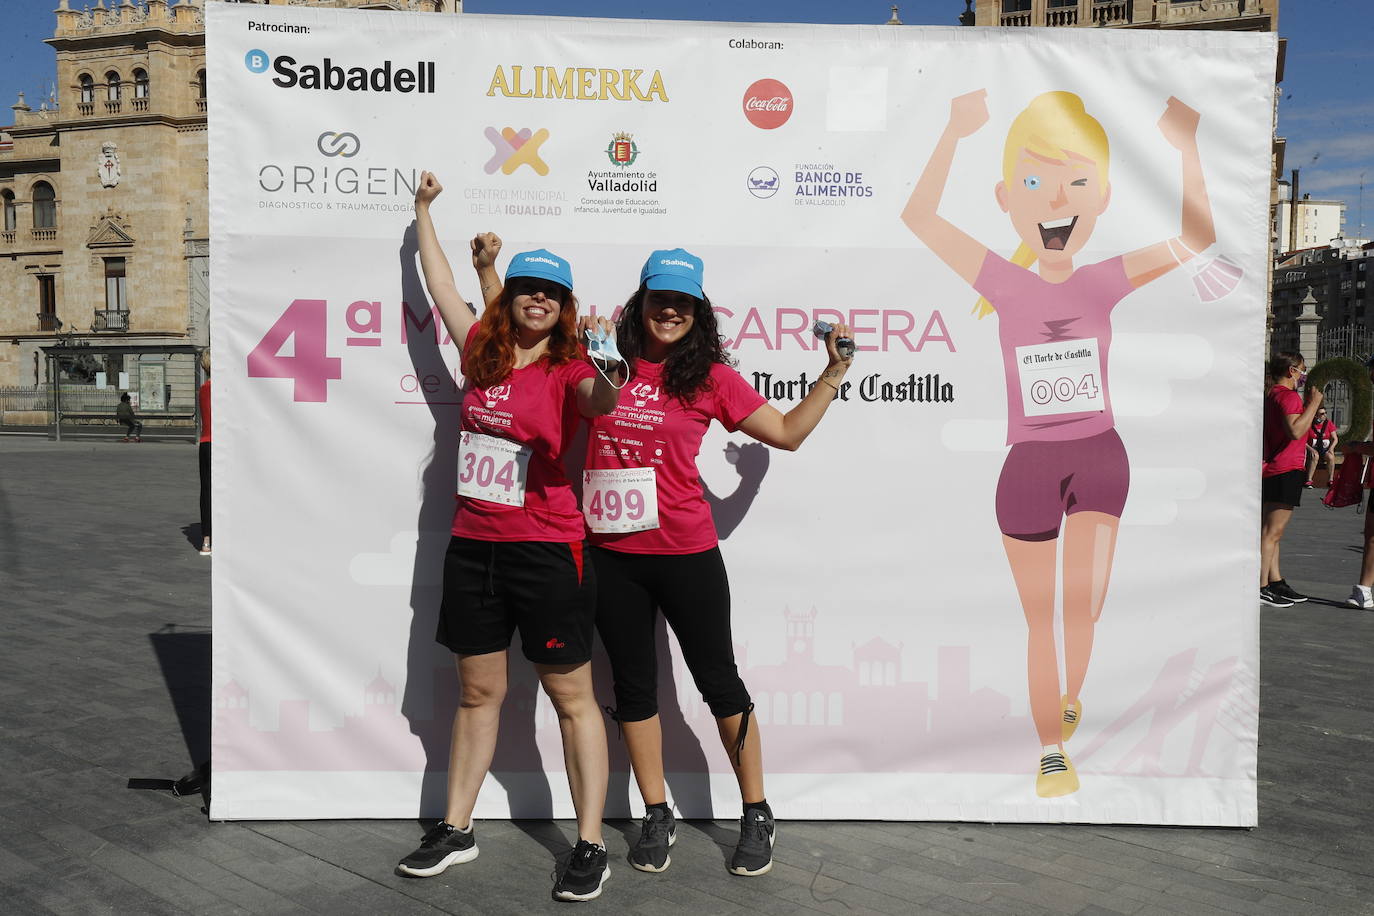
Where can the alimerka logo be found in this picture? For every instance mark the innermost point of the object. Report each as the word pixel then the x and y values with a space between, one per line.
pixel 583 84
pixel 327 75
pixel 768 104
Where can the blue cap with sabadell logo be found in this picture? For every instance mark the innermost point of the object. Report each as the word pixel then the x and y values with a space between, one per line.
pixel 674 269
pixel 543 264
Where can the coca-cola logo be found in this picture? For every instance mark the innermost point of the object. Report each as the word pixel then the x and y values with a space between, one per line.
pixel 768 104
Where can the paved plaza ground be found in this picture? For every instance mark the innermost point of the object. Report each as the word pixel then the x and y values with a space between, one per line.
pixel 104 677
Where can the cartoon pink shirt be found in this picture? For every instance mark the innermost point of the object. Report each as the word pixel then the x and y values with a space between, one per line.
pixel 535 406
pixel 650 429
pixel 1055 338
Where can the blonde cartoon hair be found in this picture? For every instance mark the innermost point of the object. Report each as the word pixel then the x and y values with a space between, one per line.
pixel 1053 125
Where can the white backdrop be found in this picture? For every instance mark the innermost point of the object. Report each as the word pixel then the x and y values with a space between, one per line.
pixel 876 620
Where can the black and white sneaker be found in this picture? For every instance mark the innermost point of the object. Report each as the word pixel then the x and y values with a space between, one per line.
pixel 1284 590
pixel 585 875
pixel 443 846
pixel 754 854
pixel 657 833
pixel 1273 599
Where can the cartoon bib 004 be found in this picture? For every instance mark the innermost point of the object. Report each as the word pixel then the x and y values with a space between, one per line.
pixel 1061 377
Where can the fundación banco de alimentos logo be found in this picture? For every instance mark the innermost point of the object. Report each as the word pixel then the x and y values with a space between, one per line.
pixel 513 148
pixel 763 182
pixel 768 104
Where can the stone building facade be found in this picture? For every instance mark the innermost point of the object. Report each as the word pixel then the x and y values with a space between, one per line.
pixel 104 218
pixel 1259 15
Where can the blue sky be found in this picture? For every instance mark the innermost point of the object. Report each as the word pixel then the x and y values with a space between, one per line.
pixel 1326 109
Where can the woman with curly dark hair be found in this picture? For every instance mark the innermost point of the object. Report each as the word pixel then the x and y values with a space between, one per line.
pixel 515 559
pixel 654 541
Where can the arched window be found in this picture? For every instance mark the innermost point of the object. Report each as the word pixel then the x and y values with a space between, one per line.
pixel 7 203
pixel 200 84
pixel 44 206
pixel 140 84
pixel 112 86
pixel 87 86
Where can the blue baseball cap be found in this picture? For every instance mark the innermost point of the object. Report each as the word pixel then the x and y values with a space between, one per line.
pixel 543 264
pixel 675 269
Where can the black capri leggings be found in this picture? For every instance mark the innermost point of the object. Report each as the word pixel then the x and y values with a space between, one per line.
pixel 694 594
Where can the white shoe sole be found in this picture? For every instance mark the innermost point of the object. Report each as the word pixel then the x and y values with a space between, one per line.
pixel 672 838
pixel 591 895
pixel 746 873
pixel 457 857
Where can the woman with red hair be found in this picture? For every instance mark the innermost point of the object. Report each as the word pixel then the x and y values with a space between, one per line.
pixel 516 559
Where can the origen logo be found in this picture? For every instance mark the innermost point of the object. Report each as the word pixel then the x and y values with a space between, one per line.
pixel 512 149
pixel 763 182
pixel 768 104
pixel 345 144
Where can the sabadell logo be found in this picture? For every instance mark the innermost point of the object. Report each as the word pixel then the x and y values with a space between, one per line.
pixel 328 75
pixel 768 104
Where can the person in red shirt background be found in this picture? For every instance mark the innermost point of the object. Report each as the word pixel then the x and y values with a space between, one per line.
pixel 1287 421
pixel 1321 445
pixel 203 396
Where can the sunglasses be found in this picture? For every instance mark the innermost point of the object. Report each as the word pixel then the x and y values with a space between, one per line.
pixel 529 286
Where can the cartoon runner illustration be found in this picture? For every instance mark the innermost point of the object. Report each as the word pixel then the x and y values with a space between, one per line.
pixel 1067 465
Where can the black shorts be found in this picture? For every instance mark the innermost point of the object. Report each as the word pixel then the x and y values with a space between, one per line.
pixel 491 588
pixel 1285 488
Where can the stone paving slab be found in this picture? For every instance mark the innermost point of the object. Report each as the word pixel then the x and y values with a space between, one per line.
pixel 104 642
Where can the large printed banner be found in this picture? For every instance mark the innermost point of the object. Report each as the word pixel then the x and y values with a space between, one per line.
pixel 1026 521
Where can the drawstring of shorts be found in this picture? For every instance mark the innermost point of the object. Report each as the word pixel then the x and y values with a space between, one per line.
pixel 743 733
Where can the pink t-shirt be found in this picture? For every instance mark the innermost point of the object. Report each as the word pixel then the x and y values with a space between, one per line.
pixel 1056 338
pixel 534 406
pixel 650 429
pixel 1282 453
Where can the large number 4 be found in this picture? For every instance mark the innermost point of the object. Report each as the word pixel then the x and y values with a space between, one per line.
pixel 310 365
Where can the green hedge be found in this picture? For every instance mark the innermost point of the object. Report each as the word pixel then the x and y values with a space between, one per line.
pixel 1354 374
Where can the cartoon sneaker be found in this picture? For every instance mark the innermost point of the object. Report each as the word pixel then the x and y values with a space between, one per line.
pixel 1056 777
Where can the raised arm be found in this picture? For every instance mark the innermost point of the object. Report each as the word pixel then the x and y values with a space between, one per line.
pixel 485 247
pixel 457 315
pixel 1179 126
pixel 789 430
pixel 1299 424
pixel 961 252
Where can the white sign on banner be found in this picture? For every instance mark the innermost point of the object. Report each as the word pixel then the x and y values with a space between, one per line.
pixel 962 562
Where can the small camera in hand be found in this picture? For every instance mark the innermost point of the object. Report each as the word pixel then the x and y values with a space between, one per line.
pixel 843 345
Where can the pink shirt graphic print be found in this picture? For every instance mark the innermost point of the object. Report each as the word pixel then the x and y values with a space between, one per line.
pixel 649 429
pixel 1056 338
